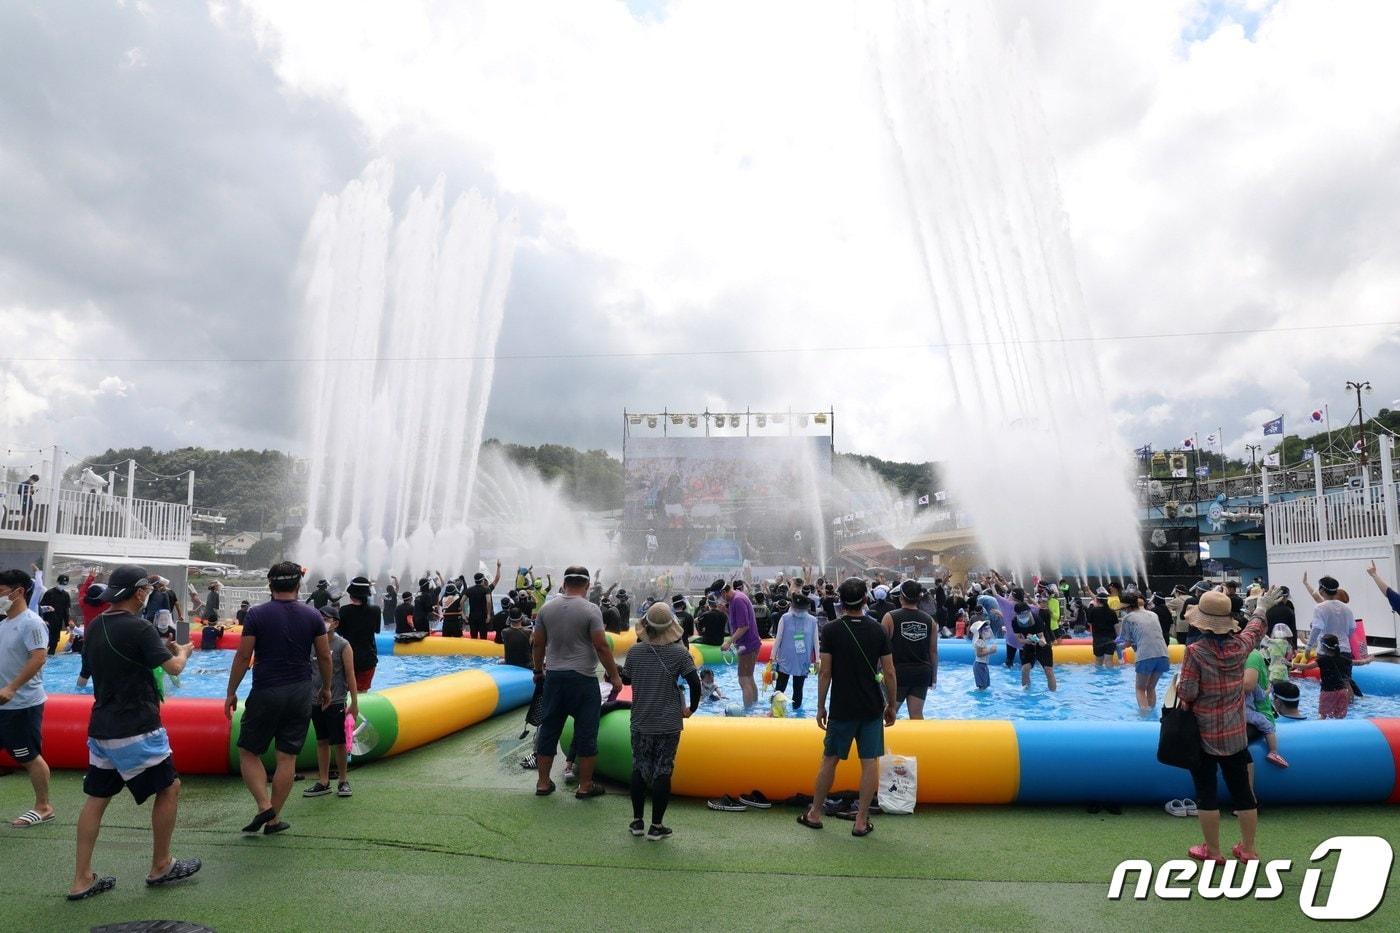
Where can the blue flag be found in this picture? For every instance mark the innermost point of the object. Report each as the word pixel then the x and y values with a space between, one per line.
pixel 1203 472
pixel 1307 454
pixel 1145 450
pixel 1274 427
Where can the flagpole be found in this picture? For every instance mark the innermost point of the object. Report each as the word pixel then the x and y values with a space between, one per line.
pixel 1196 446
pixel 1327 413
pixel 1220 447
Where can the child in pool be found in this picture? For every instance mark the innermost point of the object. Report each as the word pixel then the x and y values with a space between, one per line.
pixel 982 649
pixel 1334 669
pixel 1279 652
pixel 709 690
pixel 1265 725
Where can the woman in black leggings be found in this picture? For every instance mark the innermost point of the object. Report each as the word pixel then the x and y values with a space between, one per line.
pixel 1212 685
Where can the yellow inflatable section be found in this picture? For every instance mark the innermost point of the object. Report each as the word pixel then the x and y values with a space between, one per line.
pixel 430 709
pixel 1084 654
pixel 440 646
pixel 959 761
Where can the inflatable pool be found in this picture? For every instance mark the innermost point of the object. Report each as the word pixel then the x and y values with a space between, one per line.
pixel 999 761
pixel 205 742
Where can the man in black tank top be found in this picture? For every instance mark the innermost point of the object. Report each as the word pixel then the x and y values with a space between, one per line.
pixel 914 644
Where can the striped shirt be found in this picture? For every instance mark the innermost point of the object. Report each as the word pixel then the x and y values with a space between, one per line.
pixel 656 699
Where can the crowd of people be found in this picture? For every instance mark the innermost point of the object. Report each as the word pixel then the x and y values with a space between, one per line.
pixel 872 646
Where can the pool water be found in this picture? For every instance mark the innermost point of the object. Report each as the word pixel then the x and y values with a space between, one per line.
pixel 1085 693
pixel 206 674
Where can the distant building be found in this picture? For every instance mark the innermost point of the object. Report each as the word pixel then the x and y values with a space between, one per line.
pixel 238 545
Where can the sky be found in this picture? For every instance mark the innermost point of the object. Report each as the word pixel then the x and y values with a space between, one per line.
pixel 691 175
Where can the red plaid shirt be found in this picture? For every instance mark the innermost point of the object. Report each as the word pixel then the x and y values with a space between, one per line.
pixel 1212 683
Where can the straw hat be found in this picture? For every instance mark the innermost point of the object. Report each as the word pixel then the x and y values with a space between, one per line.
pixel 659 625
pixel 1212 614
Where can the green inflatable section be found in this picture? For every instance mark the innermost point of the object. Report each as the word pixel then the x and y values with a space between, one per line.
pixel 614 743
pixel 374 708
pixel 710 654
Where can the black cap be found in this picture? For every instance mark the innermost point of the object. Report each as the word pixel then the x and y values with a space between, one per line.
pixel 479 577
pixel 63 579
pixel 852 592
pixel 912 590
pixel 95 595
pixel 1328 584
pixel 330 612
pixel 358 588
pixel 124 582
pixel 678 600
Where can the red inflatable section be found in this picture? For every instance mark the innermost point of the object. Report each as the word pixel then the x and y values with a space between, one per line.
pixel 199 733
pixel 1390 728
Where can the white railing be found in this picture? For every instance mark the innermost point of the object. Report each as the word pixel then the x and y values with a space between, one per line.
pixel 22 507
pixel 1345 515
pixel 88 513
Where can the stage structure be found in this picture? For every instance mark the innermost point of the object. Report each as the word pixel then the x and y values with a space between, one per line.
pixel 710 494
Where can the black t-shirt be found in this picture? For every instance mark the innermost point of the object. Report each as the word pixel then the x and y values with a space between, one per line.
pixel 423 605
pixel 612 620
pixel 910 641
pixel 158 600
pixel 478 597
pixel 1036 625
pixel 1101 623
pixel 687 622
pixel 403 619
pixel 711 626
pixel 319 597
pixel 1283 614
pixel 119 652
pixel 516 641
pixel 55 606
pixel 1334 671
pixel 358 625
pixel 856 647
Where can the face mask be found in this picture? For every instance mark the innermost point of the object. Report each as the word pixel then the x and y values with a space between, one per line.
pixel 1024 619
pixel 5 604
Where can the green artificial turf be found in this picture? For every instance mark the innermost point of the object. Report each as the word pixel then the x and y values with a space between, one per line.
pixel 451 837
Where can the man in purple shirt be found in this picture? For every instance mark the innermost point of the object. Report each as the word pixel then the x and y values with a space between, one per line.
pixel 743 637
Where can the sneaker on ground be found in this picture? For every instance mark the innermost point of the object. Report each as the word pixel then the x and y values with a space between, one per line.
pixel 657 833
pixel 756 800
pixel 637 828
pixel 317 790
pixel 726 803
pixel 343 789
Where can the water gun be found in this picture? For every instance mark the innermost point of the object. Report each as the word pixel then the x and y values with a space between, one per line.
pixel 768 674
pixel 349 734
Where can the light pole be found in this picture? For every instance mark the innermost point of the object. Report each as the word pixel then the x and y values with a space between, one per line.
pixel 1358 385
pixel 1251 448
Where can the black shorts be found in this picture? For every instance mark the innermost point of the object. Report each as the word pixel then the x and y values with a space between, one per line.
pixel 1043 655
pixel 105 782
pixel 20 732
pixel 451 626
pixel 329 723
pixel 1103 649
pixel 912 680
pixel 280 713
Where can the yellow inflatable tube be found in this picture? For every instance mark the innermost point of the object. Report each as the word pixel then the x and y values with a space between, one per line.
pixel 440 646
pixel 1084 654
pixel 430 709
pixel 959 761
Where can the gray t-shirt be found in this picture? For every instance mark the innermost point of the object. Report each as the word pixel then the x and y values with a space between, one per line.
pixel 1143 630
pixel 19 637
pixel 338 689
pixel 569 623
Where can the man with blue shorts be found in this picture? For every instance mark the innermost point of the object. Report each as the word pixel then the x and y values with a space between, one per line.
pixel 568 644
pixel 857 670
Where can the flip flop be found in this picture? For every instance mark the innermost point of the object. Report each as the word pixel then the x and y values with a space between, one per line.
pixel 869 828
pixel 31 818
pixel 100 885
pixel 255 827
pixel 1274 758
pixel 1238 852
pixel 547 791
pixel 802 818
pixel 179 870
pixel 595 791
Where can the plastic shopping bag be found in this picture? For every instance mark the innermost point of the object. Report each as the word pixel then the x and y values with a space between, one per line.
pixel 899 783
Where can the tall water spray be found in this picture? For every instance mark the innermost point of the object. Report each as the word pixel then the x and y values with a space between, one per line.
pixel 403 318
pixel 1037 461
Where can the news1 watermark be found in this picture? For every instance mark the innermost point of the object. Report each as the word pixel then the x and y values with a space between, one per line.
pixel 1354 891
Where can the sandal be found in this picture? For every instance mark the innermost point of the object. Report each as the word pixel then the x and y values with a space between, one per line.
pixel 594 790
pixel 1274 758
pixel 869 828
pixel 99 885
pixel 255 827
pixel 1201 854
pixel 179 870
pixel 31 818
pixel 802 818
pixel 1238 852
pixel 545 792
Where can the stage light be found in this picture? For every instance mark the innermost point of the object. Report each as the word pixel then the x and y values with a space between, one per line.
pixel 651 421
pixel 733 421
pixel 694 421
pixel 762 421
pixel 677 419
pixel 821 417
pixel 634 420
